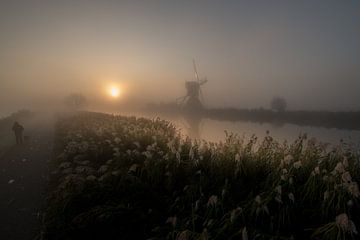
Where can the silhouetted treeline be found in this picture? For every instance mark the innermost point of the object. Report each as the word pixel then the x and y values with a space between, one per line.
pixel 340 120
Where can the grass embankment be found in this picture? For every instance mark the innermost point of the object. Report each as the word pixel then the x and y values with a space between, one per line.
pixel 126 178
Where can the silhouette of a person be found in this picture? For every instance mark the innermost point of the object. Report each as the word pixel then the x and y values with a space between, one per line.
pixel 18 130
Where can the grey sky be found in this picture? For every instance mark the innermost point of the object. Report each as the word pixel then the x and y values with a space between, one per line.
pixel 306 51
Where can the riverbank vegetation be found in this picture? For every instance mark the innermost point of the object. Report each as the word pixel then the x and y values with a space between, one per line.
pixel 117 177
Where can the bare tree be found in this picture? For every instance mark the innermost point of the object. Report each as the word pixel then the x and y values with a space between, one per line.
pixel 75 101
pixel 278 104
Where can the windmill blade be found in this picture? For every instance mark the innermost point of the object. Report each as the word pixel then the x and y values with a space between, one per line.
pixel 201 97
pixel 195 70
pixel 203 81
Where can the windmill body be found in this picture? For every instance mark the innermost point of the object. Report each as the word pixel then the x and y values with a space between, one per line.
pixel 191 103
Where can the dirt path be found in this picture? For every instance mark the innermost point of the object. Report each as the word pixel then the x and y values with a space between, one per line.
pixel 23 173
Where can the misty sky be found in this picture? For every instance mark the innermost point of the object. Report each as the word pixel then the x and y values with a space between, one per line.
pixel 306 51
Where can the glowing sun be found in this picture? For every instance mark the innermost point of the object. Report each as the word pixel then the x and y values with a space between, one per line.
pixel 114 92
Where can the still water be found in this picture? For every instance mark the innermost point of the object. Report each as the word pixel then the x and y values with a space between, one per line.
pixel 214 130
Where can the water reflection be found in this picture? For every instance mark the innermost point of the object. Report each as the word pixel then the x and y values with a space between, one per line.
pixel 193 122
pixel 194 126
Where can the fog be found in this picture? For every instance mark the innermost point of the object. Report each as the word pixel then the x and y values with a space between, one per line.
pixel 179 119
pixel 306 52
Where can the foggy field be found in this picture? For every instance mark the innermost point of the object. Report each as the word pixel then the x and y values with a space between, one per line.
pixel 134 178
pixel 23 174
pixel 179 120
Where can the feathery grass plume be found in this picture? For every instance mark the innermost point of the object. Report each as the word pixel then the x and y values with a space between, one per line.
pixel 108 171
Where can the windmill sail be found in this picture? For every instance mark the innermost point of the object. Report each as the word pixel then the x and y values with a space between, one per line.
pixel 195 71
pixel 193 99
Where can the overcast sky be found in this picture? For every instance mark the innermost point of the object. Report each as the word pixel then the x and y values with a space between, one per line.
pixel 306 51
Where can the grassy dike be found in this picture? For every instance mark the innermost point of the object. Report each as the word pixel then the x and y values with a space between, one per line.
pixel 117 177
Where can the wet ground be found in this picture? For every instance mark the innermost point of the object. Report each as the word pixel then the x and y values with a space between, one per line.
pixel 23 179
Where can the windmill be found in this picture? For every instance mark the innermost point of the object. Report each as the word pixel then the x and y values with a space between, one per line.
pixel 192 101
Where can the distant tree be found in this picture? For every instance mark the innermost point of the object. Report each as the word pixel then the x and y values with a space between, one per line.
pixel 278 104
pixel 75 101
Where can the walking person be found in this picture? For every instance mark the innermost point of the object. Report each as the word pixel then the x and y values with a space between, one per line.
pixel 18 130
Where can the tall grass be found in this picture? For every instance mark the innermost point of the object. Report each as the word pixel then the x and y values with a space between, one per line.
pixel 132 178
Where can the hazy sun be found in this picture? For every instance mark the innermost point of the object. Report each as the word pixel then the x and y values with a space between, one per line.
pixel 114 91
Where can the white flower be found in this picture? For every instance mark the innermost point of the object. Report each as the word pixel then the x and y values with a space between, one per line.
pixel 317 170
pixel 191 153
pixel 171 220
pixel 91 178
pixel 178 157
pixel 137 144
pixel 291 197
pixel 84 169
pixel 184 235
pixel 133 168
pixel 350 203
pixel 65 165
pixel 291 180
pixel 223 192
pixel 343 221
pixel 147 154
pixel 170 144
pixel 346 177
pixel 197 204
pixel 288 159
pixel 237 157
pixel 339 168
pixel 103 168
pixel 278 189
pixel 326 195
pixel 345 162
pixel 244 235
pixel 297 164
pixel 266 209
pixel 67 170
pixel 86 162
pixel 210 222
pixel 278 198
pixel 234 213
pixel 212 200
pixel 354 189
pixel 258 199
